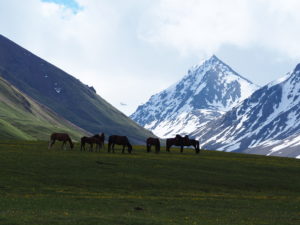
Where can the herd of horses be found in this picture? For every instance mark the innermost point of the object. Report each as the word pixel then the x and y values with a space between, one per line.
pixel 98 140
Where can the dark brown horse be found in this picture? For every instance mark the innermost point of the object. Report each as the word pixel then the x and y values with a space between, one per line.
pixel 119 140
pixel 182 141
pixel 153 141
pixel 60 137
pixel 96 139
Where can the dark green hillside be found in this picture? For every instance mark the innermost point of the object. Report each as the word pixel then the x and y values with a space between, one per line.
pixel 23 118
pixel 63 93
pixel 55 187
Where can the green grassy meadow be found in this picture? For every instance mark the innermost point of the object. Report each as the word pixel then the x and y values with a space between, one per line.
pixel 41 186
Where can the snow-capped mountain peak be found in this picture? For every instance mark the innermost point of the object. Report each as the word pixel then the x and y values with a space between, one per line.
pixel 211 86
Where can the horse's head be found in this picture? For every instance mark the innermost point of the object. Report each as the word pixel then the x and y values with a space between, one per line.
pixel 129 147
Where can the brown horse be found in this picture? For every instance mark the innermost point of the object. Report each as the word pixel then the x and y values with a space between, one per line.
pixel 153 141
pixel 96 139
pixel 119 140
pixel 182 141
pixel 60 137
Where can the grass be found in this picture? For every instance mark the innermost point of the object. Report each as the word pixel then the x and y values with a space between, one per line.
pixel 41 186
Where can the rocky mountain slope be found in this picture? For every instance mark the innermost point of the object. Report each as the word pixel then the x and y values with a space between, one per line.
pixel 204 94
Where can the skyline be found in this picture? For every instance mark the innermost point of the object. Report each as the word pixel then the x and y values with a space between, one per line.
pixel 120 47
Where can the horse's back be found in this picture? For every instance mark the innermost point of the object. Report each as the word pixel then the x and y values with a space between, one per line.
pixel 153 141
pixel 116 139
pixel 60 136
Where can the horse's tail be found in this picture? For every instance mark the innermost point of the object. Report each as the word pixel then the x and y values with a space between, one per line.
pixel 197 147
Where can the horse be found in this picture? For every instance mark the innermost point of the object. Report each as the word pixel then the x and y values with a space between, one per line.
pixel 119 140
pixel 96 139
pixel 153 141
pixel 182 141
pixel 60 137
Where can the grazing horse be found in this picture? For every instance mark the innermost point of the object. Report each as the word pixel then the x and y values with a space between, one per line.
pixel 60 137
pixel 96 139
pixel 153 141
pixel 195 144
pixel 182 141
pixel 119 140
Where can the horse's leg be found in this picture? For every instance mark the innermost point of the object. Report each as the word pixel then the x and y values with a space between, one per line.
pixel 113 147
pixel 181 148
pixel 168 148
pixel 123 149
pixel 63 145
pixel 108 147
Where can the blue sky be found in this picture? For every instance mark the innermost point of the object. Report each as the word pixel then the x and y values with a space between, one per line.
pixel 131 49
pixel 68 3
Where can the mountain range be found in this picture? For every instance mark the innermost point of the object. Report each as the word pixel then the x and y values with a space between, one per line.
pixel 63 94
pixel 227 112
pixel 268 122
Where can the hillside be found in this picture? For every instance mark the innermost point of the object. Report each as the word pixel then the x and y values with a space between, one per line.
pixel 204 94
pixel 40 186
pixel 63 93
pixel 23 118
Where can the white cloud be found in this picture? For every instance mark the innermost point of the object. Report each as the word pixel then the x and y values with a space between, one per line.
pixel 194 26
pixel 199 25
pixel 129 50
